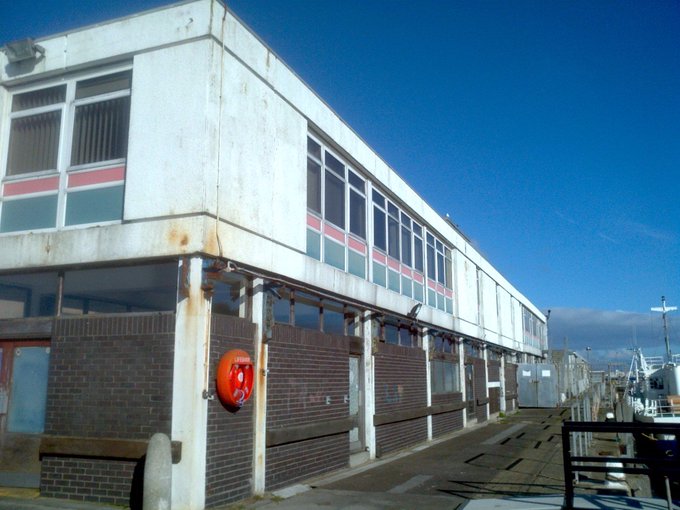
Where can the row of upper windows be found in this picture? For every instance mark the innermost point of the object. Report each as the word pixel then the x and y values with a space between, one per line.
pixel 66 153
pixel 338 195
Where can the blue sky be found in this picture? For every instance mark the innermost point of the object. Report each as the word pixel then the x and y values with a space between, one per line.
pixel 548 130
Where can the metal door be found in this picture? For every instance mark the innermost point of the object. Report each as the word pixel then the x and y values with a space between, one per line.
pixel 28 388
pixel 470 389
pixel 537 385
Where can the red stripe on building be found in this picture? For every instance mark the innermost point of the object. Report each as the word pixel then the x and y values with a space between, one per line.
pixel 96 177
pixel 406 271
pixel 393 264
pixel 31 186
pixel 357 245
pixel 334 233
pixel 418 277
pixel 440 288
pixel 431 284
pixel 314 222
pixel 449 293
pixel 380 257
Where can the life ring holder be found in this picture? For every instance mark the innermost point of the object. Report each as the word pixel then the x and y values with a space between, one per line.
pixel 234 382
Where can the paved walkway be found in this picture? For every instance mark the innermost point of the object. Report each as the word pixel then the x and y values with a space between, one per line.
pixel 519 457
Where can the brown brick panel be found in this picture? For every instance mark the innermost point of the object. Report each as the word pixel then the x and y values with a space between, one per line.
pixel 290 463
pixel 101 481
pixel 396 436
pixel 447 422
pixel 308 382
pixel 494 400
pixel 400 378
pixel 110 377
pixel 494 371
pixel 480 388
pixel 308 379
pixel 230 439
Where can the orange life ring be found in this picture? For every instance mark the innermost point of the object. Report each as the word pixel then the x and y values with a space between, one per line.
pixel 235 378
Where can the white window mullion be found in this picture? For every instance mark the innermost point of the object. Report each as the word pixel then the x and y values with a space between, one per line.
pixel 64 158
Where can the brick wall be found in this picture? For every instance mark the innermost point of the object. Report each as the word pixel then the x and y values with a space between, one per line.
pixel 447 422
pixel 308 383
pixel 230 434
pixel 400 384
pixel 110 377
pixel 510 386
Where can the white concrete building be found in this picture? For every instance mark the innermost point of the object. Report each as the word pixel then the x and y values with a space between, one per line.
pixel 169 164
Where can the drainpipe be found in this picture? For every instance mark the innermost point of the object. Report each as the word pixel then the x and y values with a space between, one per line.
pixel 261 350
pixel 368 374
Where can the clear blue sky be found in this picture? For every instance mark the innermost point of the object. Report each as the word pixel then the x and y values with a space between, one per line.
pixel 548 130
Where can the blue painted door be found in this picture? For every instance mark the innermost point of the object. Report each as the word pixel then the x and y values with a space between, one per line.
pixel 28 390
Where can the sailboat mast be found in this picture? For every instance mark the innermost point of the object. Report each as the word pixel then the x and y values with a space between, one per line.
pixel 663 310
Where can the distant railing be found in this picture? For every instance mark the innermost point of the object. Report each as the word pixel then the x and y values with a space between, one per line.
pixel 659 466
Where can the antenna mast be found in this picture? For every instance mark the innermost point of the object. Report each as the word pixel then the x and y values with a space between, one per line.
pixel 663 309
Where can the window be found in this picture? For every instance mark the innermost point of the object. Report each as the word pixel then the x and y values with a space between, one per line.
pixel 66 154
pixel 336 205
pixel 444 376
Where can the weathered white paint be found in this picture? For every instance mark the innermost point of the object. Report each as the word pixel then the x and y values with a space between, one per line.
pixel 503 386
pixel 261 350
pixel 368 385
pixel 461 377
pixel 189 409
pixel 220 130
pixel 428 378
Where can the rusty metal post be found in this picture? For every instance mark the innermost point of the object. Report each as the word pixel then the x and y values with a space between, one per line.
pixel 566 462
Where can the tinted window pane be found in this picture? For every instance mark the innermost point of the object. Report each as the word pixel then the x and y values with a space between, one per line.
pixel 392 209
pixel 28 214
pixel 313 244
pixel 335 165
pixel 356 263
pixel 405 246
pixel 379 237
pixel 100 131
pixel 333 318
pixel 313 148
pixel 227 297
pixel 27 295
pixel 121 289
pixel 335 200
pixel 103 84
pixel 391 334
pixel 38 98
pixel 334 253
pixel 393 237
pixel 306 311
pixel 356 181
pixel 357 214
pixel 440 268
pixel 418 254
pixel 96 205
pixel 378 199
pixel 34 143
pixel 282 307
pixel 313 186
pixel 431 268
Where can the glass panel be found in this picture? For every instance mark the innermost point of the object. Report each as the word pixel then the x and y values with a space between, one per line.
pixel 448 376
pixel 29 390
pixel 441 277
pixel 313 149
pixel 379 235
pixel 100 131
pixel 432 298
pixel 394 279
pixel 418 254
pixel 226 299
pixel 335 200
pixel 449 305
pixel 406 286
pixel 393 237
pixel 417 229
pixel 34 143
pixel 391 334
pixel 333 318
pixel 356 263
pixel 418 292
pixel 306 311
pixel 313 186
pixel 355 180
pixel 334 253
pixel 103 84
pixel 282 307
pixel 313 244
pixel 379 274
pixel 431 268
pixel 27 295
pixel 95 205
pixel 357 214
pixel 392 209
pixel 335 165
pixel 29 214
pixel 38 98
pixel 126 289
pixel 378 199
pixel 406 245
